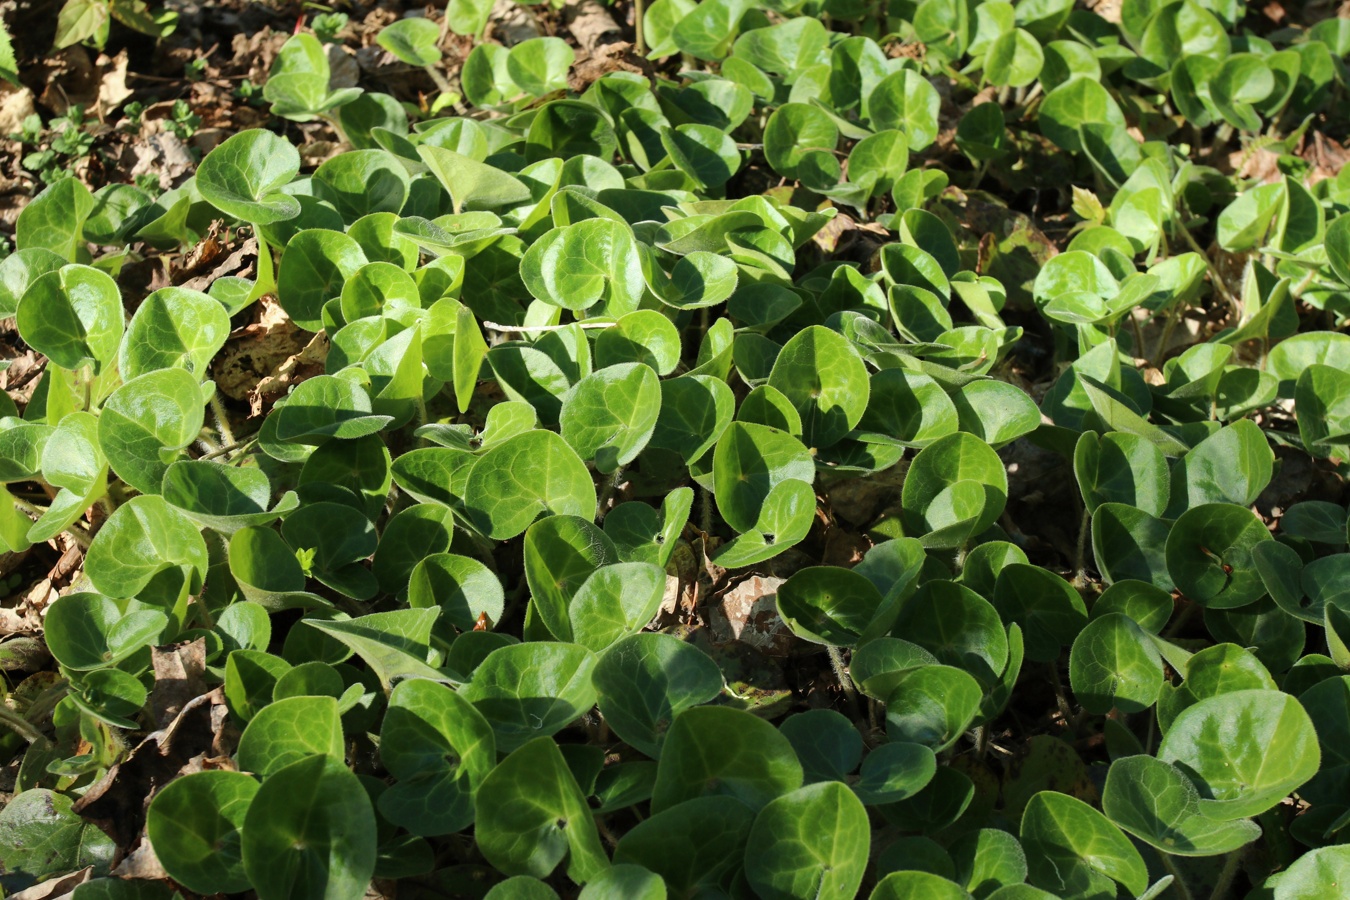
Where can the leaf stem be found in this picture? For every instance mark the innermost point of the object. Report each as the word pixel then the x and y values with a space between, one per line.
pixel 1183 889
pixel 607 493
pixel 1215 278
pixel 1080 562
pixel 78 534
pixel 1231 864
pixel 845 682
pixel 19 725
pixel 222 419
pixel 228 448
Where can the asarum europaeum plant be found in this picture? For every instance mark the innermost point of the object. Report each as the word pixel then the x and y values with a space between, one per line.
pixel 592 354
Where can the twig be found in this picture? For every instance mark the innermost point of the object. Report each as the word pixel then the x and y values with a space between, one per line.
pixel 639 39
pixel 539 329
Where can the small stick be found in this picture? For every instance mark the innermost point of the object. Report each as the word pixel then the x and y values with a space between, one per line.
pixel 539 329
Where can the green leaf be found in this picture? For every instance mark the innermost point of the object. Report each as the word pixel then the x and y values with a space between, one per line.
pixel 395 644
pixel 316 264
pixel 825 380
pixel 309 834
pixel 609 416
pixel 410 536
pixel 931 706
pixel 440 749
pixel 828 605
pixel 1119 467
pixel 297 86
pixel 43 837
pixel 578 266
pixel 906 101
pixel 1245 750
pixel 194 824
pixel 1075 851
pixel 173 327
pixel 413 40
pixel 935 498
pixel 86 631
pixel 616 601
pixel 798 140
pixel 223 497
pixel 695 411
pixel 1233 465
pixel 709 28
pixel 1050 612
pixel 73 316
pixel 538 66
pixel 529 475
pixel 1312 875
pixel 1155 802
pixel 1114 664
pixel 917 885
pixel 715 750
pixel 811 842
pixel 461 587
pixel 1209 555
pixel 1128 543
pixel 531 814
pixel 532 690
pixel 472 185
pixel 325 407
pixel 749 463
pixel 243 175
pixel 289 731
pixel 55 220
pixel 141 539
pixel 693 844
pixel 645 680
pixel 961 628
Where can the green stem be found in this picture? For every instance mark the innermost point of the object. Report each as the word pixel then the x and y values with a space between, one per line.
pixel 1231 864
pixel 228 448
pixel 222 419
pixel 1080 563
pixel 442 84
pixel 19 725
pixel 1215 278
pixel 607 494
pixel 1183 890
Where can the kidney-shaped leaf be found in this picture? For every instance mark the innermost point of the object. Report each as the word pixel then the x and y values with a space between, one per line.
pixel 810 843
pixel 532 689
pixel 532 474
pixel 309 833
pixel 439 748
pixel 1245 750
pixel 531 813
pixel 243 176
pixel 1156 802
pixel 147 422
pixel 645 680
